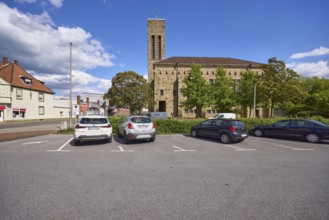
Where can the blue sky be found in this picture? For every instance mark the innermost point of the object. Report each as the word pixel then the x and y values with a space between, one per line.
pixel 110 36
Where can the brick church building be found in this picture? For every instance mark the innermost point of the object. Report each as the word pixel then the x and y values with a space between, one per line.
pixel 166 74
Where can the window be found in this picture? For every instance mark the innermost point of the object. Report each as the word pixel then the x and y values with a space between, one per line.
pixel 159 46
pixel 211 81
pixel 41 110
pixel 26 80
pixel 19 94
pixel 41 97
pixel 153 47
pixel 208 111
pixel 30 95
pixel 161 92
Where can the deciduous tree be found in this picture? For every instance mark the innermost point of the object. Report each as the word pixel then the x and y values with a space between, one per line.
pixel 129 90
pixel 223 91
pixel 196 90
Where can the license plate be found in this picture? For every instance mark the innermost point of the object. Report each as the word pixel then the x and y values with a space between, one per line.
pixel 93 128
pixel 243 135
pixel 142 126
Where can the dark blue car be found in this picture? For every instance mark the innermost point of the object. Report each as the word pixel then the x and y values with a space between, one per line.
pixel 308 130
pixel 226 130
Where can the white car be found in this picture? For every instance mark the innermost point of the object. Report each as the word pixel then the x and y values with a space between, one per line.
pixel 224 115
pixel 137 128
pixel 92 127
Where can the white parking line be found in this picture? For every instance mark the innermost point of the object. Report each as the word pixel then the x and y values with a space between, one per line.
pixel 61 147
pixel 239 148
pixel 122 150
pixel 35 142
pixel 292 148
pixel 180 149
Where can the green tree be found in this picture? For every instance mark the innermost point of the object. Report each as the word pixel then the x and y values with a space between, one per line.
pixel 317 102
pixel 279 85
pixel 249 79
pixel 223 91
pixel 129 90
pixel 196 90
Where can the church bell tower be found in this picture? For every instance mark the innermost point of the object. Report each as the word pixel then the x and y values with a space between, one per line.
pixel 156 44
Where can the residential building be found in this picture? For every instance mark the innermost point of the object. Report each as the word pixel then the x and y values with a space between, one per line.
pixel 22 96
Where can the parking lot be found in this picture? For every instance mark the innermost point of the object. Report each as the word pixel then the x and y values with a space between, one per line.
pixel 175 177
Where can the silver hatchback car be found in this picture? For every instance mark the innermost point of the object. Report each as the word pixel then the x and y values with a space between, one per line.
pixel 137 128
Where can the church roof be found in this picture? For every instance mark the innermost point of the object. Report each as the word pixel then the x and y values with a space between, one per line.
pixel 207 61
pixel 12 73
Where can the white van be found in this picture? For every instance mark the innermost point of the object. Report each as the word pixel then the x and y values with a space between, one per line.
pixel 224 115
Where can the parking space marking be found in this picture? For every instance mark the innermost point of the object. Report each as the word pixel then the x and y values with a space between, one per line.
pixel 292 148
pixel 60 149
pixel 122 150
pixel 239 148
pixel 180 149
pixel 35 142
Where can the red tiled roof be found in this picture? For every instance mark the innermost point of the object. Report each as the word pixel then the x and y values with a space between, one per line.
pixel 11 72
pixel 204 61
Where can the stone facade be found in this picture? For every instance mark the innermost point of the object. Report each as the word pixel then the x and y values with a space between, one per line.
pixel 166 75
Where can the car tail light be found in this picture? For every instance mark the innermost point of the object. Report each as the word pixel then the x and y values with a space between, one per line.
pixel 107 126
pixel 232 128
pixel 154 126
pixel 79 126
pixel 130 126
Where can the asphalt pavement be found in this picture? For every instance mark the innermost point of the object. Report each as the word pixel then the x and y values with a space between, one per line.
pixel 16 130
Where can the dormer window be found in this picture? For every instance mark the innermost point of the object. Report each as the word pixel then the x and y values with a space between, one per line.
pixel 26 81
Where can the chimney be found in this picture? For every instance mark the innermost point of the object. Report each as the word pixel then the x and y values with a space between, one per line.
pixel 16 62
pixel 4 60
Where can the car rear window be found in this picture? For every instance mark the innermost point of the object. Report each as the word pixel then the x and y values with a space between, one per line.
pixel 139 120
pixel 237 123
pixel 93 121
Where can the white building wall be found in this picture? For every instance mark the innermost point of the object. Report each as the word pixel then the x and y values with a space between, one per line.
pixel 31 104
pixel 5 99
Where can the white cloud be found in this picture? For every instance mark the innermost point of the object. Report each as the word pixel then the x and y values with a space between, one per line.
pixel 82 82
pixel 44 49
pixel 313 53
pixel 56 3
pixel 319 69
pixel 26 1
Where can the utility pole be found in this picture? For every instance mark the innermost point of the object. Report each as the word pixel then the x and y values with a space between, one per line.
pixel 70 122
pixel 255 100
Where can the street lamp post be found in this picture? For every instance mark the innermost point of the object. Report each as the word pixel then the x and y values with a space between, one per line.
pixel 255 100
pixel 70 121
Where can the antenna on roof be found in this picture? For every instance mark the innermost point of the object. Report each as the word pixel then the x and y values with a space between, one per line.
pixel 156 14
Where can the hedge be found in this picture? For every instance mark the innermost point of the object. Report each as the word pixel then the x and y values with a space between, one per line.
pixel 183 126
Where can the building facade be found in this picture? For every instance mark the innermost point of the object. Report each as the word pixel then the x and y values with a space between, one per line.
pixel 21 95
pixel 166 75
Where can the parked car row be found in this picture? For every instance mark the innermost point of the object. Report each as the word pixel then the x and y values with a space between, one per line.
pixel 140 127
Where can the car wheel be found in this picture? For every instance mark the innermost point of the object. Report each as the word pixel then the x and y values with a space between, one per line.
pixel 125 138
pixel 152 139
pixel 258 133
pixel 225 138
pixel 194 133
pixel 76 142
pixel 108 140
pixel 118 132
pixel 312 138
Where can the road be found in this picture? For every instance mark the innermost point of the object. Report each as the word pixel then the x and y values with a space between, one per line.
pixel 16 130
pixel 176 177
